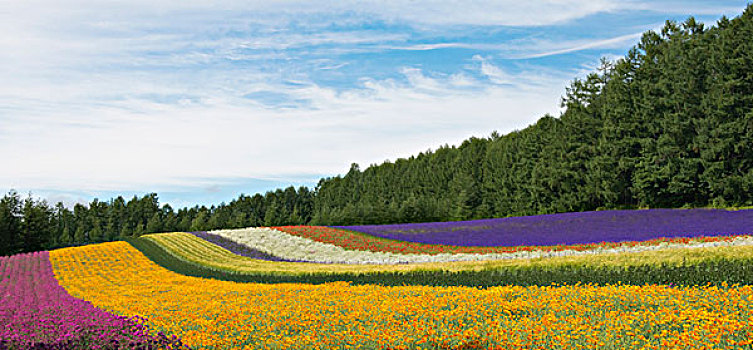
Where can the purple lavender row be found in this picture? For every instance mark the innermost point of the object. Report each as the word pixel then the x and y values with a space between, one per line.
pixel 571 228
pixel 37 313
pixel 239 249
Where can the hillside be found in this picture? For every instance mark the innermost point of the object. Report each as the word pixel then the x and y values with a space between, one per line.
pixel 173 290
pixel 668 125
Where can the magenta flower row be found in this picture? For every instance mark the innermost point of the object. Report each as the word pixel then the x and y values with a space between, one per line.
pixel 37 313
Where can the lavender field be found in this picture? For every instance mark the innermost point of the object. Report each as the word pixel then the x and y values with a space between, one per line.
pixel 571 228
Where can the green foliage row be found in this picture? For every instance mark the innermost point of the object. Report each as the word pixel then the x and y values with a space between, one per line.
pixel 710 271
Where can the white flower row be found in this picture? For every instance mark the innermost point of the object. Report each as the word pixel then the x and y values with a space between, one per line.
pixel 288 246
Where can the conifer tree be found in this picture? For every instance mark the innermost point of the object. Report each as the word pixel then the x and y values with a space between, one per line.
pixel 10 223
pixel 79 236
pixel 155 224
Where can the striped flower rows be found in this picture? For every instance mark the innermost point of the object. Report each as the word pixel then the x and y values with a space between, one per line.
pixel 211 314
pixel 200 258
pixel 237 248
pixel 288 246
pixel 360 241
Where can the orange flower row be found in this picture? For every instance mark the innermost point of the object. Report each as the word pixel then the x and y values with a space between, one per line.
pixel 210 314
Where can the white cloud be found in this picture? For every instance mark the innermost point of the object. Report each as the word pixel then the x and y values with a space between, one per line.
pixel 430 12
pixel 462 80
pixel 224 137
pixel 501 12
pixel 132 94
pixel 427 47
pixel 697 8
pixel 558 48
pixel 420 82
pixel 531 47
pixel 494 73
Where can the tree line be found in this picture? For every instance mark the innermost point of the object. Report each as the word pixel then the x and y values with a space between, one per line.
pixel 28 224
pixel 668 125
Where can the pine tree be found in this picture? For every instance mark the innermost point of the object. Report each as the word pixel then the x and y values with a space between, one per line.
pixel 138 230
pixel 272 216
pixel 155 224
pixel 111 232
pixel 237 220
pixel 65 238
pixel 96 235
pixel 79 237
pixel 36 226
pixel 125 231
pixel 466 193
pixel 199 223
pixel 10 223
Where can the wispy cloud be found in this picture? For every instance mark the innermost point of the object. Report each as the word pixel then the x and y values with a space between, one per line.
pixel 494 73
pixel 694 7
pixel 439 12
pixel 579 45
pixel 437 46
pixel 182 96
pixel 167 143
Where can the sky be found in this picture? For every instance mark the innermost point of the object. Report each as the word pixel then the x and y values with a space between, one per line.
pixel 202 101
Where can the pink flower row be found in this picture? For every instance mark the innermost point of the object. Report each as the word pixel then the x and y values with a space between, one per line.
pixel 37 313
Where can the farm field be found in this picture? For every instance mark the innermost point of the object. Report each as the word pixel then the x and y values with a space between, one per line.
pixel 289 247
pixel 310 287
pixel 664 261
pixel 568 231
pixel 571 229
pixel 210 314
pixel 237 248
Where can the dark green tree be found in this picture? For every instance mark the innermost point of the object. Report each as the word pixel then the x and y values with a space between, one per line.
pixel 154 224
pixel 36 226
pixel 10 223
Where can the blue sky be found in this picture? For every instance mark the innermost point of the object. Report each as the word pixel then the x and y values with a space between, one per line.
pixel 201 101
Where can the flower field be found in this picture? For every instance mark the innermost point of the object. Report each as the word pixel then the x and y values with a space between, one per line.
pixel 352 240
pixel 116 277
pixel 189 248
pixel 186 254
pixel 571 228
pixel 37 313
pixel 283 246
pixel 237 248
pixel 298 248
pixel 311 287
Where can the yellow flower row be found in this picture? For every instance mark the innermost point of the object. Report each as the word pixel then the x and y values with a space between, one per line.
pixel 210 314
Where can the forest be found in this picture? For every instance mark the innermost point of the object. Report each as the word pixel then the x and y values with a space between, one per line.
pixel 668 125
